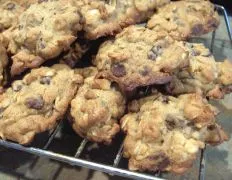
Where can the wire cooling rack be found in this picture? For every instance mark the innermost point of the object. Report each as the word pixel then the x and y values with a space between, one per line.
pixel 114 168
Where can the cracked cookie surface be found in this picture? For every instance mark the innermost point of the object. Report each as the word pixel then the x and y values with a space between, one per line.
pixel 140 57
pixel 203 75
pixel 36 103
pixel 45 29
pixel 97 108
pixel 184 19
pixel 165 133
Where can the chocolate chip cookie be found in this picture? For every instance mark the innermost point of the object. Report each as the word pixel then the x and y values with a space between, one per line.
pixel 3 64
pixel 140 57
pixel 97 108
pixel 203 75
pixel 36 103
pixel 45 29
pixel 10 10
pixel 165 133
pixel 102 19
pixel 184 19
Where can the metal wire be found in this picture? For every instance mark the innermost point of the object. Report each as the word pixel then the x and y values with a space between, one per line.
pixel 76 161
pixel 212 41
pixel 202 165
pixel 226 17
pixel 81 148
pixel 118 156
pixel 53 134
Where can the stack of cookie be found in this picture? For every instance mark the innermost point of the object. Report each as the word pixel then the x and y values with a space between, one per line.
pixel 97 59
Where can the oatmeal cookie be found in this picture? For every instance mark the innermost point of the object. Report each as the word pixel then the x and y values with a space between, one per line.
pixel 45 30
pixel 10 10
pixel 140 57
pixel 165 133
pixel 203 75
pixel 102 19
pixel 3 64
pixel 35 104
pixel 184 19
pixel 96 109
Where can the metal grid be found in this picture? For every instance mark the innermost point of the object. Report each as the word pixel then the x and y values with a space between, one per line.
pixel 110 169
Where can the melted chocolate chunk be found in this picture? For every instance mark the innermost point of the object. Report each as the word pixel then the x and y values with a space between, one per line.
pixel 35 102
pixel 197 29
pixel 118 70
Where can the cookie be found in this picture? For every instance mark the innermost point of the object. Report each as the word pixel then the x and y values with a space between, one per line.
pixel 45 29
pixel 96 109
pixel 103 19
pixel 37 102
pixel 165 133
pixel 3 64
pixel 185 19
pixel 10 10
pixel 140 57
pixel 75 53
pixel 204 75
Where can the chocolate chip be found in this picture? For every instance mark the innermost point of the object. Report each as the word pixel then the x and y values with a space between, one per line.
pixel 17 87
pixel 2 109
pixel 170 123
pixel 195 52
pixel 118 70
pixel 157 49
pixel 197 29
pixel 45 80
pixel 161 159
pixel 211 127
pixel 164 163
pixel 151 55
pixel 20 27
pixel 165 99
pixel 10 6
pixel 145 71
pixel 40 1
pixel 42 45
pixel 155 52
pixel 35 102
pixel 1 27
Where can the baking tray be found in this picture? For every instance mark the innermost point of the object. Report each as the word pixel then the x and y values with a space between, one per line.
pixel 101 158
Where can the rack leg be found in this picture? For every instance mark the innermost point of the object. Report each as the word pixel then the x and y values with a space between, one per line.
pixel 212 41
pixel 202 165
pixel 226 17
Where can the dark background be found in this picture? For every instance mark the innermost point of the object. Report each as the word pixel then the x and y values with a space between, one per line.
pixel 226 3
